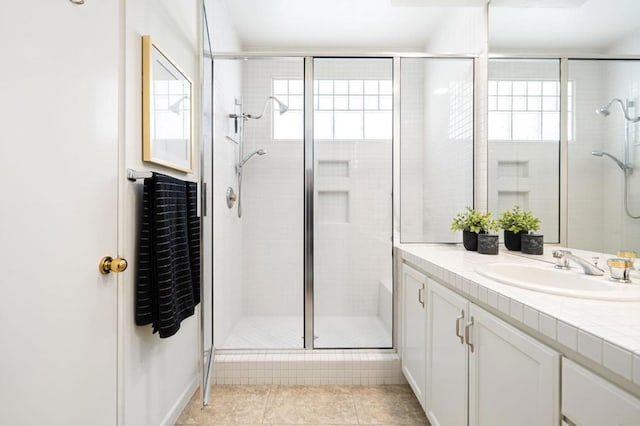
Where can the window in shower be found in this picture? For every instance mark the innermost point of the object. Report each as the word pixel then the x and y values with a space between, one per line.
pixel 345 109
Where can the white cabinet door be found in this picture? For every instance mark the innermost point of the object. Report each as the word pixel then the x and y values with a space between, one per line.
pixel 413 328
pixel 513 379
pixel 589 400
pixel 58 163
pixel 446 391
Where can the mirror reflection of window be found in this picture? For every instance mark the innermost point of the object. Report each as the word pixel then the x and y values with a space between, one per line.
pixel 524 139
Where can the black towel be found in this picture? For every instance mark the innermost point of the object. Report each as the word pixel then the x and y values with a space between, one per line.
pixel 168 281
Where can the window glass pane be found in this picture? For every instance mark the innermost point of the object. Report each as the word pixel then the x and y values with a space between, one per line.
pixel 549 104
pixel 370 102
pixel 295 102
pixel 377 125
pixel 289 125
pixel 355 87
pixel 348 125
pixel 519 103
pixel 551 126
pixel 499 125
pixel 493 103
pixel 323 125
pixel 280 87
pixel 534 103
pixel 386 102
pixel 355 102
pixel 341 102
pixel 315 101
pixel 386 87
pixel 371 87
pixel 526 126
pixel 315 87
pixel 325 102
pixel 493 87
pixel 325 87
pixel 296 87
pixel 341 87
pixel 534 88
pixel 504 88
pixel 550 88
pixel 504 103
pixel 519 88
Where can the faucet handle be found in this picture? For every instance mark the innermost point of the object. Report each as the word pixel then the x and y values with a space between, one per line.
pixel 558 254
pixel 595 260
pixel 562 262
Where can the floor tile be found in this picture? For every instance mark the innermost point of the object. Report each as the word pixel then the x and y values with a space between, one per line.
pixel 296 405
pixel 228 405
pixel 395 405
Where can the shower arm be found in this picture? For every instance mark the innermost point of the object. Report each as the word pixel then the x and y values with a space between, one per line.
pixel 625 111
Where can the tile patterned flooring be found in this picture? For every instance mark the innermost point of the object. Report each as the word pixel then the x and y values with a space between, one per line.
pixel 276 405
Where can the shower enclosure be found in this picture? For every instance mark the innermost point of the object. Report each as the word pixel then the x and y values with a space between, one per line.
pixel 303 254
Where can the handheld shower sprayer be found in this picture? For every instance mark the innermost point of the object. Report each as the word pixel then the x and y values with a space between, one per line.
pixel 605 112
pixel 627 169
pixel 248 157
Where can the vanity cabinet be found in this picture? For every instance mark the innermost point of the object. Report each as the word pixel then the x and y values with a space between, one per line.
pixel 589 400
pixel 413 329
pixel 483 371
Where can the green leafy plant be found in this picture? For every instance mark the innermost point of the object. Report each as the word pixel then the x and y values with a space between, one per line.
pixel 516 220
pixel 473 221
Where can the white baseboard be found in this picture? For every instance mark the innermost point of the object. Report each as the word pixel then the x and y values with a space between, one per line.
pixel 182 402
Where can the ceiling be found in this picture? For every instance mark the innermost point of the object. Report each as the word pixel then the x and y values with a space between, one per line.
pixel 407 25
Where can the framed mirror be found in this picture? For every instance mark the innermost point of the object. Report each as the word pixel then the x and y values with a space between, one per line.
pixel 166 110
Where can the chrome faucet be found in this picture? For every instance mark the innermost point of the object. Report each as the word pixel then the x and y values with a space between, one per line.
pixel 562 262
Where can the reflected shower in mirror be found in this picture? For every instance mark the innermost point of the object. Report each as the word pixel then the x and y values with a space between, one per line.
pixel 602 195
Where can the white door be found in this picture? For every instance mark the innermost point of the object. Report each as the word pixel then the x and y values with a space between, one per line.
pixel 447 312
pixel 513 379
pixel 58 163
pixel 413 328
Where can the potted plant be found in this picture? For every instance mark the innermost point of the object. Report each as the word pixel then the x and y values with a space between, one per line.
pixel 516 222
pixel 471 222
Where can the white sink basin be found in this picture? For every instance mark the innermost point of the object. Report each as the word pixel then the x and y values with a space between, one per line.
pixel 572 283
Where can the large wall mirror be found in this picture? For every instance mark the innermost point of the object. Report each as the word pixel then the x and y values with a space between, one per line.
pixel 566 79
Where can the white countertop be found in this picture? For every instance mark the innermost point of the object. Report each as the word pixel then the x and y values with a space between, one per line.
pixel 607 333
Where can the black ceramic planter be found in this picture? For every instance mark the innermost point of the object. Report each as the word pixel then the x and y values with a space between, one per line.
pixel 488 244
pixel 532 244
pixel 470 240
pixel 512 240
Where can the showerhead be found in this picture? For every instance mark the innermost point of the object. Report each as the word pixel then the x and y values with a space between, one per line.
pixel 260 151
pixel 281 107
pixel 605 112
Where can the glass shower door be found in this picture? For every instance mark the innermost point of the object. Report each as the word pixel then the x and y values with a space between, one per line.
pixel 352 247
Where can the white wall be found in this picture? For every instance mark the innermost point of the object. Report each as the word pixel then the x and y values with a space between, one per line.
pixel 158 375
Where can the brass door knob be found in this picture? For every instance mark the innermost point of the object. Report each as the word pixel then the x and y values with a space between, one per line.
pixel 108 264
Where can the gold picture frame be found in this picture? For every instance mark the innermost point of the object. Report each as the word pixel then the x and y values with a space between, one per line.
pixel 167 111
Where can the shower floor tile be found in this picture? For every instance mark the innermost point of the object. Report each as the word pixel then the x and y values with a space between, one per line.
pixel 285 332
pixel 309 405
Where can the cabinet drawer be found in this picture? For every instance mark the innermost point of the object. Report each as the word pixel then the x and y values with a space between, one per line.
pixel 588 399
